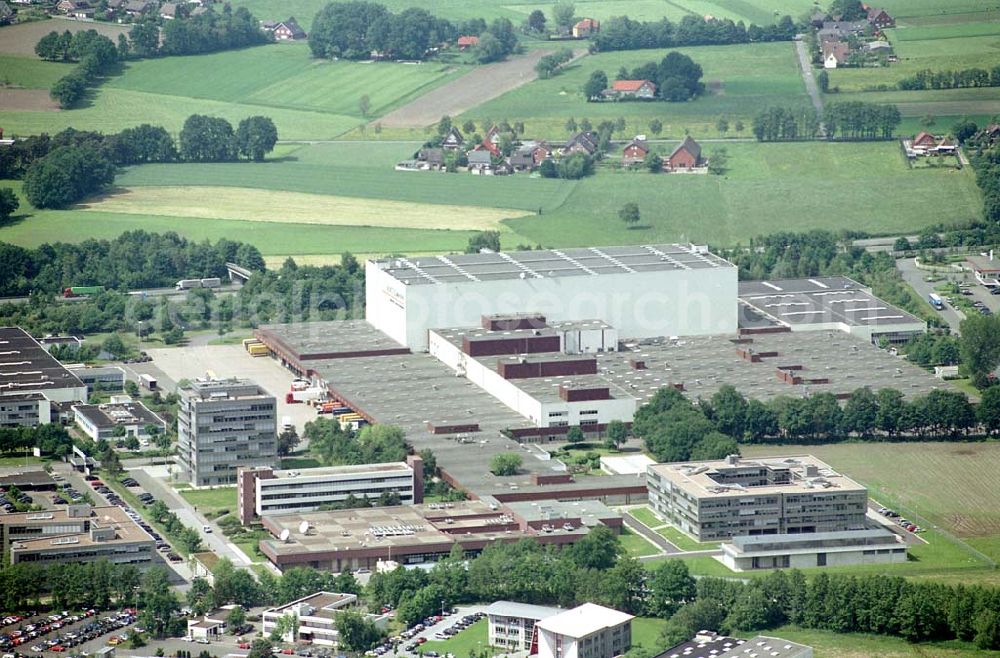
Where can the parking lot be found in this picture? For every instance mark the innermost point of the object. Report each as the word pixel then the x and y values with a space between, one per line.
pixel 57 633
pixel 178 363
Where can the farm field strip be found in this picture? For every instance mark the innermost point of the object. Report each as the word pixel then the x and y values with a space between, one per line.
pixel 21 39
pixel 256 205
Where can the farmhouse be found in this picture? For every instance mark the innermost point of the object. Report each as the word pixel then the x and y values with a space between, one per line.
pixel 880 18
pixel 530 155
pixel 631 89
pixel 480 161
pixel 686 156
pixel 989 135
pixel 634 152
pixel 431 158
pixel 71 7
pixel 844 29
pixel 286 30
pixel 582 142
pixel 453 140
pixel 139 7
pixel 586 27
pixel 924 143
pixel 835 53
pixel 466 42
pixel 489 146
pixel 168 11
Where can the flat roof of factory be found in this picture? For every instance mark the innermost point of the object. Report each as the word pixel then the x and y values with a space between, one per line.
pixel 25 366
pixel 548 263
pixel 821 300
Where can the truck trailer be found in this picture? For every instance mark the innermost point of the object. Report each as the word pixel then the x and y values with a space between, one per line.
pixel 82 291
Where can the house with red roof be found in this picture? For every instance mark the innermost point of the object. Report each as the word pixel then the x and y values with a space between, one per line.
pixel 586 27
pixel 466 42
pixel 685 157
pixel 644 89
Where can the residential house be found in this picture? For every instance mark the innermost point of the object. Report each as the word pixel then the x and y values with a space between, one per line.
pixel 114 6
pixel 924 140
pixel 685 156
pixel 586 27
pixel 634 152
pixel 530 155
pixel 645 89
pixel 835 53
pixel 286 30
pixel 844 29
pixel 990 134
pixel 431 159
pixel 880 18
pixel 480 161
pixel 74 7
pixel 6 13
pixel 582 142
pixel 467 41
pixel 168 11
pixel 139 7
pixel 453 140
pixel 493 135
pixel 879 46
pixel 490 146
pixel 925 143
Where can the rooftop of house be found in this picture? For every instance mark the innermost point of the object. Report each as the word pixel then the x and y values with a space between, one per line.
pixel 548 263
pixel 735 477
pixel 629 85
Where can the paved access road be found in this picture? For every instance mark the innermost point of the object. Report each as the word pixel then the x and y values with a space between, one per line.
pixel 915 278
pixel 805 64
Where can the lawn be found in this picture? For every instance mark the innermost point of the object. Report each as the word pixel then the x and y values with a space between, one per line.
pixel 473 638
pixel 8 460
pixel 646 633
pixel 741 79
pixel 30 72
pixel 211 500
pixel 682 541
pixel 856 645
pixel 636 545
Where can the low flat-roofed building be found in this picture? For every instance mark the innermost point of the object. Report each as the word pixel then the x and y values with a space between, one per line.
pixel 820 549
pixel 78 533
pixel 28 481
pixel 210 625
pixel 512 625
pixel 31 380
pixel 707 644
pixel 721 499
pixel 265 492
pixel 635 464
pixel 586 631
pixel 99 421
pixel 316 614
pixel 408 534
pixel 100 378
pixel 986 269
pixel 823 303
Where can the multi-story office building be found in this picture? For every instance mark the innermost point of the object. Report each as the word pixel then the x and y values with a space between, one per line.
pixel 512 625
pixel 264 491
pixel 79 533
pixel 587 631
pixel 316 615
pixel 718 500
pixel 223 424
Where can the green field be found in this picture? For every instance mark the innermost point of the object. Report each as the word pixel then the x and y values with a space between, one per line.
pixel 306 98
pixel 740 79
pixel 30 72
pixel 636 545
pixel 211 500
pixel 857 645
pixel 768 187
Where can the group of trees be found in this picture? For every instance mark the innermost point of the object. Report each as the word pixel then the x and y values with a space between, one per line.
pixel 76 586
pixel 570 167
pixel 550 64
pixel 852 120
pixel 374 444
pixel 875 604
pixel 134 259
pixel 187 537
pixel 66 175
pixel 985 157
pixel 96 56
pixel 623 33
pixel 928 79
pixel 212 139
pixel 51 439
pixel 209 32
pixel 677 78
pixel 358 29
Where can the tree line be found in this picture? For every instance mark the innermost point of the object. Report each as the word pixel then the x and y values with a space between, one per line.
pixel 373 444
pixel 677 78
pixel 849 121
pixel 623 33
pixel 550 64
pixel 96 55
pixel 984 153
pixel 51 439
pixel 72 165
pixel 134 259
pixel 973 77
pixel 358 29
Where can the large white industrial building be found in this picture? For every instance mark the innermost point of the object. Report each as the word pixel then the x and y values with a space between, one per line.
pixel 642 291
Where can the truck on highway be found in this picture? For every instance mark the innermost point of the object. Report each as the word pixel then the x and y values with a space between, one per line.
pixel 190 284
pixel 82 291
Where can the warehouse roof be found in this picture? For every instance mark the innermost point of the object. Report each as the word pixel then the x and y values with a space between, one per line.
pixel 108 415
pixel 28 480
pixel 836 299
pixel 548 263
pixel 25 366
pixel 304 341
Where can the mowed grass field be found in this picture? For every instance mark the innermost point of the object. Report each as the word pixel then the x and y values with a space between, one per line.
pixel 741 79
pixel 321 199
pixel 950 484
pixel 306 98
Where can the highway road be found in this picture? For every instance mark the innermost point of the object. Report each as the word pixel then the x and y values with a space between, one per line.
pixel 146 292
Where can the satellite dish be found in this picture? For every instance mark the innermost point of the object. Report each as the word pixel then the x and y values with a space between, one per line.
pixel 284 534
pixel 304 527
